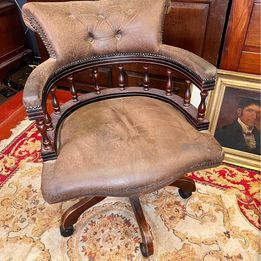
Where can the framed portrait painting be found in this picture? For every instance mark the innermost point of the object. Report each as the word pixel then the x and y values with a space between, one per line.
pixel 234 113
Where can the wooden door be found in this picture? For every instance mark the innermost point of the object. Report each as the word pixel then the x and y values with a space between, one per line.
pixel 197 26
pixel 242 45
pixel 12 44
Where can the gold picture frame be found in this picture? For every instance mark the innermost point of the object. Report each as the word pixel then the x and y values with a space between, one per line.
pixel 229 84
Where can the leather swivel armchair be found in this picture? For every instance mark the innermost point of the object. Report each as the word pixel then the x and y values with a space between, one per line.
pixel 125 140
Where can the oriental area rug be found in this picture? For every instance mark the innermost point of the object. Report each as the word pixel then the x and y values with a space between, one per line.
pixel 220 221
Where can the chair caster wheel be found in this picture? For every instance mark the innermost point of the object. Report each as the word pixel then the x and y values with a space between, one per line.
pixel 144 250
pixel 66 232
pixel 184 194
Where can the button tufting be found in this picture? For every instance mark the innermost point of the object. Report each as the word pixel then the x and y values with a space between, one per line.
pixel 118 34
pixel 90 37
pixel 101 16
pixel 130 12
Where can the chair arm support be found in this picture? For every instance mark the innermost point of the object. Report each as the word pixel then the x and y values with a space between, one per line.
pixel 206 71
pixel 32 96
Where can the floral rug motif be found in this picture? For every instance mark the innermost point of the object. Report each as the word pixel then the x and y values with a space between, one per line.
pixel 23 148
pixel 245 184
pixel 218 222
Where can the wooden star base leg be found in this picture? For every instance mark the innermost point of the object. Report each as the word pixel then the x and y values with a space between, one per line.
pixel 186 186
pixel 70 217
pixel 146 246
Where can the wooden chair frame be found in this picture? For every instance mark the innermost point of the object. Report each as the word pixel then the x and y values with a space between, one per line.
pixel 49 125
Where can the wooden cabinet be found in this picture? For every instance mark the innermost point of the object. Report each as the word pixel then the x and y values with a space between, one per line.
pixel 197 26
pixel 12 45
pixel 242 45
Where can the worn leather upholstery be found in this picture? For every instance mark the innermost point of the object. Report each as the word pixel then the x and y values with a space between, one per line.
pixel 125 146
pixel 189 60
pixel 96 27
pixel 122 146
pixel 73 31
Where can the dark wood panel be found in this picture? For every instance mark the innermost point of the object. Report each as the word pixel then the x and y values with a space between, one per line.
pixel 197 26
pixel 12 36
pixel 253 35
pixel 235 36
pixel 182 31
pixel 215 28
pixel 12 44
pixel 242 43
pixel 250 62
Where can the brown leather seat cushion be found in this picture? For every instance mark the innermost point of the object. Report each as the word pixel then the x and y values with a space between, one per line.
pixel 125 146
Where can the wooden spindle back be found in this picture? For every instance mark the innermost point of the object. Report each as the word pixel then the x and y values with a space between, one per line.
pixel 47 145
pixel 55 103
pixel 73 89
pixel 121 77
pixel 95 79
pixel 202 105
pixel 169 87
pixel 187 94
pixel 146 79
pixel 49 126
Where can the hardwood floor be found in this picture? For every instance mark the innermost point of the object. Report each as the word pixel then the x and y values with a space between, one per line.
pixel 11 113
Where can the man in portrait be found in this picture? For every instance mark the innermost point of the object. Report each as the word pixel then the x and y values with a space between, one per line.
pixel 244 132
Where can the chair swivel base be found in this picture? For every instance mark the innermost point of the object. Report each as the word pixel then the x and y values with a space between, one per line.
pixel 71 216
pixel 184 194
pixel 146 246
pixel 66 232
pixel 186 187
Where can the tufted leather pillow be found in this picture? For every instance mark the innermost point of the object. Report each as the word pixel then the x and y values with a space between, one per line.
pixel 74 30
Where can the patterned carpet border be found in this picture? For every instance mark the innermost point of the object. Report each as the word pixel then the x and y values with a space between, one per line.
pixel 15 152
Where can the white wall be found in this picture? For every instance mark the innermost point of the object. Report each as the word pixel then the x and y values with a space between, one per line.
pixel 195 96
